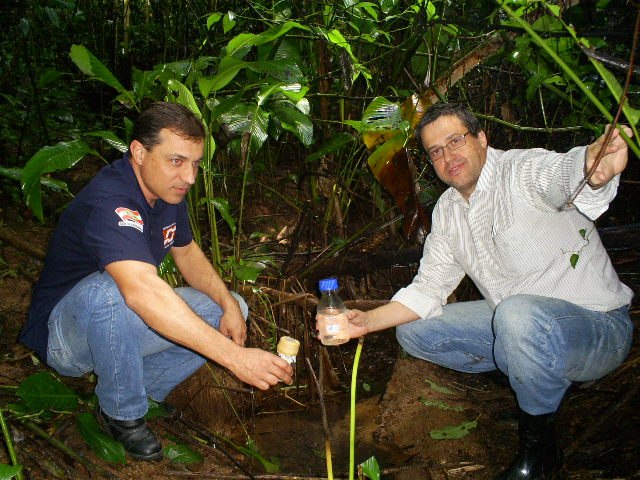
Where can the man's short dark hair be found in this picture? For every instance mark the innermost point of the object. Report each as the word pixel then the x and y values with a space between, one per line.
pixel 172 116
pixel 438 110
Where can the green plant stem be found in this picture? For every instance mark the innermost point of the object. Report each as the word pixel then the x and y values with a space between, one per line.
pixel 9 442
pixel 352 420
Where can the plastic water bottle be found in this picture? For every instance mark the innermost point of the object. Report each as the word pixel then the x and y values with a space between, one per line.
pixel 331 318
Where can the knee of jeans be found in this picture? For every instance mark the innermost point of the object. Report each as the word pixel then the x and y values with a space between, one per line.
pixel 407 337
pixel 515 316
pixel 244 308
pixel 104 292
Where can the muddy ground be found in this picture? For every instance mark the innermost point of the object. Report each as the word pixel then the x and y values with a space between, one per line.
pixel 400 406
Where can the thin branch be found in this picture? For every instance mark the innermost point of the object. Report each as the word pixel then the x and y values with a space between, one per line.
pixel 68 451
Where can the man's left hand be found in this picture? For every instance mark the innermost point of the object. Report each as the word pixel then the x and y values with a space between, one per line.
pixel 233 325
pixel 614 158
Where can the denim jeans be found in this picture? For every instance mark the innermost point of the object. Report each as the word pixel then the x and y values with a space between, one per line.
pixel 92 329
pixel 542 344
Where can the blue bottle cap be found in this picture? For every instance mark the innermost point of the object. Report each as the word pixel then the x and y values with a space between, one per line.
pixel 328 284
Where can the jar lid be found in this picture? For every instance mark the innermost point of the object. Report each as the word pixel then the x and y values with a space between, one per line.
pixel 288 346
pixel 328 284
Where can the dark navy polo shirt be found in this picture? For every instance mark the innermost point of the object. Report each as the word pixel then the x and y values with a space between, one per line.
pixel 110 220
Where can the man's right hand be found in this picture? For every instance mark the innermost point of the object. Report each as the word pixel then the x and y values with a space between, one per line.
pixel 260 368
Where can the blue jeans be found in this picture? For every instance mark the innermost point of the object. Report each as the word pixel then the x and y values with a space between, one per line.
pixel 542 344
pixel 92 329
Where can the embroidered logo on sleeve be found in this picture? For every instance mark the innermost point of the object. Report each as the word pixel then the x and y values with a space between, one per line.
pixel 129 218
pixel 169 234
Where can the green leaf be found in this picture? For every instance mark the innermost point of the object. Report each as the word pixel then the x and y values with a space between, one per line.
pixel 258 128
pixel 7 472
pixel 42 391
pixel 91 66
pixel 111 139
pixel 334 144
pixel 371 469
pixel 270 466
pixel 15 173
pixel 228 21
pixel 180 453
pixel 222 206
pixel 48 77
pixel 248 39
pixel 632 114
pixel 453 432
pixel 102 444
pixel 573 261
pixel 437 388
pixel 156 410
pixel 227 70
pixel 49 159
pixel 442 405
pixel 583 233
pixel 212 19
pixel 295 122
pixel 247 271
pixel 183 96
pixel 382 114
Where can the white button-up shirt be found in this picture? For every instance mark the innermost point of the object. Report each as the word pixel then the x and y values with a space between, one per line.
pixel 512 237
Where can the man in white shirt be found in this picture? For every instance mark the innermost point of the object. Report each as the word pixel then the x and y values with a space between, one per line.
pixel 554 311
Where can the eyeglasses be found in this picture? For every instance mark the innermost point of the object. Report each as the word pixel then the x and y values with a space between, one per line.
pixel 455 143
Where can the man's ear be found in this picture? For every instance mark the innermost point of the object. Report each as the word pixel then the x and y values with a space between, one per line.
pixel 137 151
pixel 482 137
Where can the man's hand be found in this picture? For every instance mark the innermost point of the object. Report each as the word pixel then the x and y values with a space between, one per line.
pixel 358 323
pixel 233 325
pixel 614 158
pixel 260 368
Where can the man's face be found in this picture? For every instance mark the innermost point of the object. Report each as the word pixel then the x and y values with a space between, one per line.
pixel 168 170
pixel 458 168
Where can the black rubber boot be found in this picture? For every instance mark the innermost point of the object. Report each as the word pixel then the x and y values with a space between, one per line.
pixel 539 457
pixel 138 439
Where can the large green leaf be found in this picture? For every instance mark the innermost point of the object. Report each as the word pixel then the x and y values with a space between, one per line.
pixel 42 391
pixel 102 444
pixel 62 156
pixel 295 122
pixel 228 69
pixel 91 66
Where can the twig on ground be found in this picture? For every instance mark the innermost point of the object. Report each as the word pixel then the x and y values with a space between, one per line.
pixel 62 447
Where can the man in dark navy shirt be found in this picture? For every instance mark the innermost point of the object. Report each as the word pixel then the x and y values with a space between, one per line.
pixel 100 305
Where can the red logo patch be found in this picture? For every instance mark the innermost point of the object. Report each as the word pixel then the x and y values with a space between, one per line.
pixel 169 234
pixel 130 218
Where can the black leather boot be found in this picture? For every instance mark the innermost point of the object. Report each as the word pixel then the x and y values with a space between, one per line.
pixel 138 439
pixel 539 457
